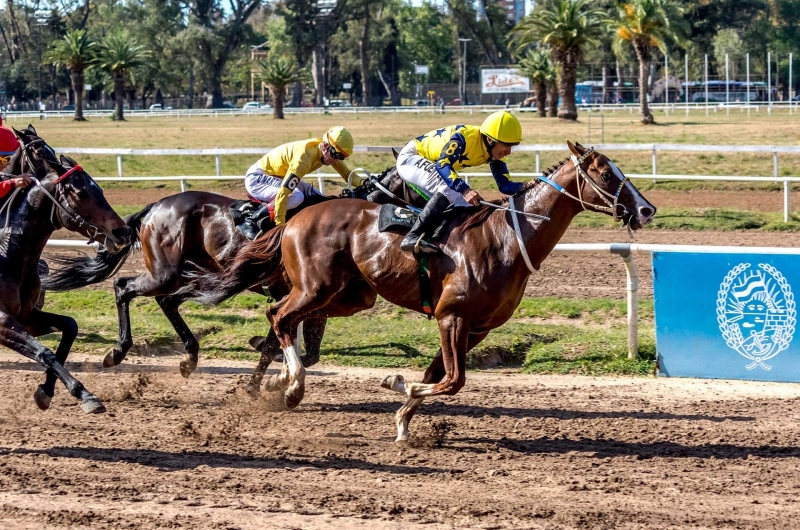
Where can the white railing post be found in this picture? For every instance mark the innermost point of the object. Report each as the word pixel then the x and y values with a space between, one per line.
pixel 321 182
pixel 218 163
pixel 119 165
pixel 787 200
pixel 632 288
pixel 655 163
pixel 538 161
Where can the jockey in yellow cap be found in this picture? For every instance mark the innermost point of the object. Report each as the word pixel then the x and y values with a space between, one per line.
pixel 429 163
pixel 275 180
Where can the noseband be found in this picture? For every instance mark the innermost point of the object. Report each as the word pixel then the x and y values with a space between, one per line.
pixel 60 200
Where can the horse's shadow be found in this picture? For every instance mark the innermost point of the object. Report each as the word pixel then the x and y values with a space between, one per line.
pixel 603 448
pixel 442 409
pixel 180 461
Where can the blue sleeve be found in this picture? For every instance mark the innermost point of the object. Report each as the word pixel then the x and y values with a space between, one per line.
pixel 500 174
pixel 451 153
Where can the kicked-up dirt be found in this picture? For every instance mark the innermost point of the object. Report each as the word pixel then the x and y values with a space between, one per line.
pixel 509 451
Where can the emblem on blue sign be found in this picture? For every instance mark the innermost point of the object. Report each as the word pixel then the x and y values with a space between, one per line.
pixel 756 313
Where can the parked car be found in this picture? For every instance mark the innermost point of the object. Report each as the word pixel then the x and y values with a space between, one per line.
pixel 69 107
pixel 422 103
pixel 339 103
pixel 159 106
pixel 228 105
pixel 252 105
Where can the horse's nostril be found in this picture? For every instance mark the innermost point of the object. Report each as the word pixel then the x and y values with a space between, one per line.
pixel 123 232
pixel 645 212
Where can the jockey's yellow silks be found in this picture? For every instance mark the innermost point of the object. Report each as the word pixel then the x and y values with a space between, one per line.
pixel 295 158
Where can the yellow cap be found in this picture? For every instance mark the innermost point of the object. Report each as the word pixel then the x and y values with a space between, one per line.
pixel 502 126
pixel 340 139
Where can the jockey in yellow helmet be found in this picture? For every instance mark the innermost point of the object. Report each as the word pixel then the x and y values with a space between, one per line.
pixel 275 179
pixel 429 163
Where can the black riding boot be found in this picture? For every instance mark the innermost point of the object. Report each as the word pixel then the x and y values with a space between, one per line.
pixel 254 225
pixel 427 222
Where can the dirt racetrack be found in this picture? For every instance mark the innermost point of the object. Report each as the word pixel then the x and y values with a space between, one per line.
pixel 510 451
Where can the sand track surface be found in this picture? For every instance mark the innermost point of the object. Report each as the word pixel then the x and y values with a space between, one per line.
pixel 509 451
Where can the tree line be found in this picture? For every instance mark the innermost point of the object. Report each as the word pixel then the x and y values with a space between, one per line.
pixel 136 51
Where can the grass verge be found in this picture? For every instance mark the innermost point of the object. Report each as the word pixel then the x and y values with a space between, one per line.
pixel 546 335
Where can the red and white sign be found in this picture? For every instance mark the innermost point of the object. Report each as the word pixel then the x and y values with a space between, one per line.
pixel 503 81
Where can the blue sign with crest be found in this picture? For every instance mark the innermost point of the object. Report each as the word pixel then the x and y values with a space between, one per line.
pixel 727 316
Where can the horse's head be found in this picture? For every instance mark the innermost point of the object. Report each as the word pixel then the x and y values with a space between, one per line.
pixel 78 202
pixel 603 186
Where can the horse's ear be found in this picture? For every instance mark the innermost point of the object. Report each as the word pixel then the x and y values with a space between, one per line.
pixel 395 153
pixel 580 147
pixel 577 150
pixel 17 132
pixel 67 162
pixel 31 129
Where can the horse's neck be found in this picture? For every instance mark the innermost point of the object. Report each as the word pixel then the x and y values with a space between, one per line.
pixel 540 236
pixel 32 228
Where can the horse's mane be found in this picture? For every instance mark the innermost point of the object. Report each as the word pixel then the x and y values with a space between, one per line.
pixel 482 213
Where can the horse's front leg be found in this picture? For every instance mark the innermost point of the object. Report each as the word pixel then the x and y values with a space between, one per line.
pixel 41 323
pixel 170 305
pixel 14 336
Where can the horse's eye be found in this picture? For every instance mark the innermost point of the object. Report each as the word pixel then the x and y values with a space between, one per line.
pixel 606 176
pixel 82 194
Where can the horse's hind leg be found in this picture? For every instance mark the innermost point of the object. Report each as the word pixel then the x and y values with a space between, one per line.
pixel 313 331
pixel 170 306
pixel 126 289
pixel 269 347
pixel 42 323
pixel 13 336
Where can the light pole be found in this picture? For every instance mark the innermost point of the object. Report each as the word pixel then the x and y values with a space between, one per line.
pixel 464 72
pixel 41 17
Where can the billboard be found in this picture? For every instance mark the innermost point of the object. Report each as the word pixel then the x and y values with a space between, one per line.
pixel 503 81
pixel 728 316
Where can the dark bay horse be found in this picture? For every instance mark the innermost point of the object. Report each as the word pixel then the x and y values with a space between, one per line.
pixel 337 263
pixel 63 196
pixel 189 230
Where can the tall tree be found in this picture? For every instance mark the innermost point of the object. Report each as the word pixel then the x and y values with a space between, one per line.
pixel 567 27
pixel 218 33
pixel 536 65
pixel 118 53
pixel 645 24
pixel 278 73
pixel 75 51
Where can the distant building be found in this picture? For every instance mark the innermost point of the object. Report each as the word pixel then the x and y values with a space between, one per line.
pixel 516 9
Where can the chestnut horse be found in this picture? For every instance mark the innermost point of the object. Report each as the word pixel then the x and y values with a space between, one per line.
pixel 338 263
pixel 63 196
pixel 188 230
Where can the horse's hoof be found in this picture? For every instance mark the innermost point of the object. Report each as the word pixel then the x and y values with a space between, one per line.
pixel 257 342
pixel 293 398
pixel 253 390
pixel 92 405
pixel 41 398
pixel 112 358
pixel 188 366
pixel 395 382
pixel 401 442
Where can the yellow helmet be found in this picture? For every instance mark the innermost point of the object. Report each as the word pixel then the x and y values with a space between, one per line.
pixel 502 126
pixel 340 139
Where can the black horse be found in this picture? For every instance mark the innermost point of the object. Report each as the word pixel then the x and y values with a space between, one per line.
pixel 192 230
pixel 63 196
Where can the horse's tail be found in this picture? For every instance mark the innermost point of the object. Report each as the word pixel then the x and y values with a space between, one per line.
pixel 257 263
pixel 77 272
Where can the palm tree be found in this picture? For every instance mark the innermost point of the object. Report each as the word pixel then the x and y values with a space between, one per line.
pixel 119 53
pixel 74 52
pixel 648 23
pixel 278 72
pixel 567 27
pixel 536 65
pixel 552 90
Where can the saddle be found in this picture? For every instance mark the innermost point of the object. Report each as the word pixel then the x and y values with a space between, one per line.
pixel 242 214
pixel 399 220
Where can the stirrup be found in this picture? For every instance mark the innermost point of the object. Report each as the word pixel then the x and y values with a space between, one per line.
pixel 423 247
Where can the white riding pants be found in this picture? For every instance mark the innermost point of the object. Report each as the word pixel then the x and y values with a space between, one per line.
pixel 421 172
pixel 265 188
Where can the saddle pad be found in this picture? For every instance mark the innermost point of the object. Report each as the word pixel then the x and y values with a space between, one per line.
pixel 395 217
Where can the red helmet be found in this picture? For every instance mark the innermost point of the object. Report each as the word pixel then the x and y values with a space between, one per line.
pixel 8 141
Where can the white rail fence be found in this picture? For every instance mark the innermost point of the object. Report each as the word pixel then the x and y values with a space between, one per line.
pixel 625 251
pixel 631 108
pixel 537 149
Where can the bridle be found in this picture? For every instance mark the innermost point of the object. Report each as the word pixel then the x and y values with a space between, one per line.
pixel 60 205
pixel 611 201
